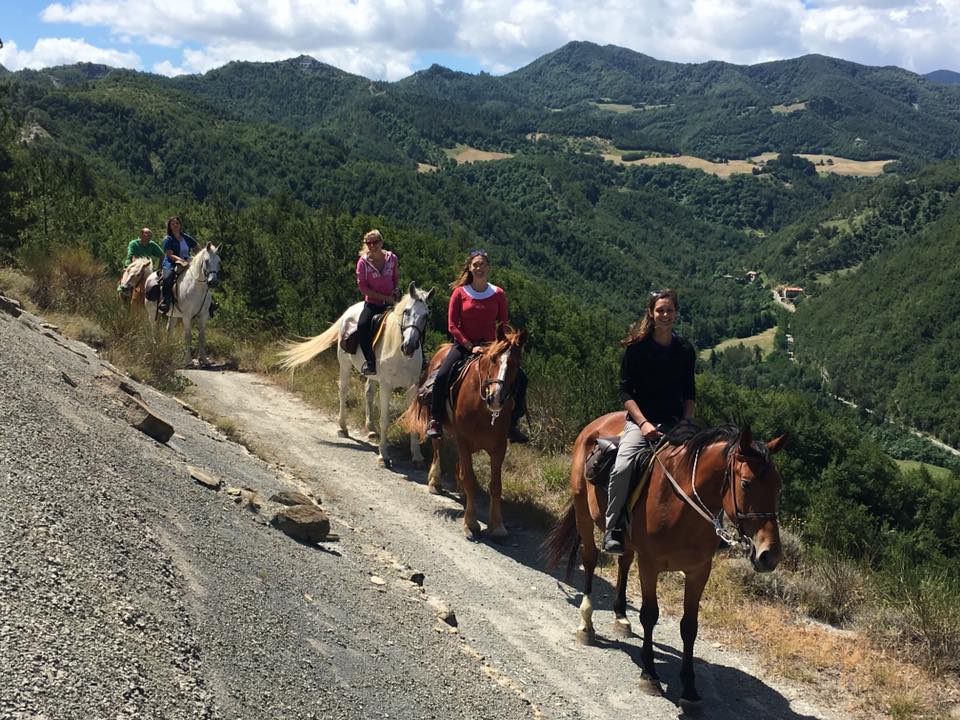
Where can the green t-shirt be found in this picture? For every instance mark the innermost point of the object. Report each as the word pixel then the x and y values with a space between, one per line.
pixel 137 249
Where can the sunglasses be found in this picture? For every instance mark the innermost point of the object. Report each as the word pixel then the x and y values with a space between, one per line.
pixel 377 241
pixel 475 253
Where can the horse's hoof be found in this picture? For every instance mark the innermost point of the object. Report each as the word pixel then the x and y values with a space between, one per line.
pixel 342 433
pixel 650 686
pixel 622 628
pixel 498 534
pixel 586 637
pixel 691 707
pixel 435 489
pixel 371 435
pixel 384 463
pixel 472 532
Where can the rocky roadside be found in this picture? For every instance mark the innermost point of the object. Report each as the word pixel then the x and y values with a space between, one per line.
pixel 143 578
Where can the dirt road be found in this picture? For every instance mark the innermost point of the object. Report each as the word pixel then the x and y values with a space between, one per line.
pixel 515 620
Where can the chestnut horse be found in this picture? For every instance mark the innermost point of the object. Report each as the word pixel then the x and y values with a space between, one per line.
pixel 676 524
pixel 480 420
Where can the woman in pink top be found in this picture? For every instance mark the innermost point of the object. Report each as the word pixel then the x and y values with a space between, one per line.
pixel 476 315
pixel 377 274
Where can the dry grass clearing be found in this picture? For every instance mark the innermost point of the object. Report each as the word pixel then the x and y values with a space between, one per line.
pixel 425 167
pixel 615 107
pixel 723 170
pixel 791 108
pixel 845 166
pixel 763 340
pixel 466 154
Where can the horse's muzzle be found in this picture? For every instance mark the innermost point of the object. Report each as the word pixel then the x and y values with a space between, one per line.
pixel 766 559
pixel 213 280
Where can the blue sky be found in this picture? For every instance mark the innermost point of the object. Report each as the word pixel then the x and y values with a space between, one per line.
pixel 389 39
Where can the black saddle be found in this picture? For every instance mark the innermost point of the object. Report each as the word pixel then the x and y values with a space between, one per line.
pixel 599 462
pixel 350 340
pixel 457 373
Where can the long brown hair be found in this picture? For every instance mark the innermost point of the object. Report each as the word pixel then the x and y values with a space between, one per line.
pixel 644 326
pixel 466 276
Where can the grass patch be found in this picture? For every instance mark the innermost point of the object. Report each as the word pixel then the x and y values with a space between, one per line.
pixel 763 340
pixel 935 471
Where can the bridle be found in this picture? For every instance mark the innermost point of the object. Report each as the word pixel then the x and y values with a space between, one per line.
pixel 404 325
pixel 503 390
pixel 735 539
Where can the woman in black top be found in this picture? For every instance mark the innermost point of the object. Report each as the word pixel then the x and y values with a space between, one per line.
pixel 658 392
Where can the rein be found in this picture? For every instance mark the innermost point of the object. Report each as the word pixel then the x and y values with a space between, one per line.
pixel 734 539
pixel 488 397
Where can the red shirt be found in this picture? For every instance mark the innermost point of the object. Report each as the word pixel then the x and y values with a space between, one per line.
pixel 473 317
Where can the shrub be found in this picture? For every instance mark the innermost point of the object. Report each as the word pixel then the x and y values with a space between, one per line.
pixel 65 279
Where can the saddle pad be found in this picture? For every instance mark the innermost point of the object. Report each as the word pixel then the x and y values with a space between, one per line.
pixel 151 288
pixel 350 341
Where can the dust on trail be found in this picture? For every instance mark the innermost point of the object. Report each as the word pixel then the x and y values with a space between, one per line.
pixel 516 620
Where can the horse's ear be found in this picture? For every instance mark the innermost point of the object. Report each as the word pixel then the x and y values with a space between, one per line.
pixel 777 444
pixel 412 289
pixel 522 338
pixel 746 440
pixel 426 298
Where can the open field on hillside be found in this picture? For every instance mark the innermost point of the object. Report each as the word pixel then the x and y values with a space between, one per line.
pixel 615 107
pixel 837 165
pixel 791 108
pixel 936 472
pixel 466 154
pixel 764 341
pixel 426 167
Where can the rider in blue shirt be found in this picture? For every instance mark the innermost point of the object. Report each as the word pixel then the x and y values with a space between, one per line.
pixel 177 246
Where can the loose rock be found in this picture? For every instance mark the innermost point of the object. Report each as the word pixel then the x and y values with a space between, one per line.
pixel 147 421
pixel 307 523
pixel 204 479
pixel 292 497
pixel 10 306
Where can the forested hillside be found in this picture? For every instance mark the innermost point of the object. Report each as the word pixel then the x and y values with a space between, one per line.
pixel 289 163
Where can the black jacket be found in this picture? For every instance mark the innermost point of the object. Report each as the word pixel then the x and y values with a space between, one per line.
pixel 659 379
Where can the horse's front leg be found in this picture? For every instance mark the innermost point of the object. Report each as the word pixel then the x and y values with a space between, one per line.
pixel 383 455
pixel 343 389
pixel 694 582
pixel 468 483
pixel 202 340
pixel 434 477
pixel 415 455
pixel 495 527
pixel 649 614
pixel 187 338
pixel 369 390
pixel 621 625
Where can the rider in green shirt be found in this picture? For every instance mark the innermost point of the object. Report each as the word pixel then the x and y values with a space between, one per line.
pixel 143 247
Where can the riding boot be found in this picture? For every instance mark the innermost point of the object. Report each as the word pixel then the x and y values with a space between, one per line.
pixel 434 429
pixel 613 541
pixel 167 288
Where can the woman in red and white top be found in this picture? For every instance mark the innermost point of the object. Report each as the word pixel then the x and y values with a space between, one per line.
pixel 476 316
pixel 377 274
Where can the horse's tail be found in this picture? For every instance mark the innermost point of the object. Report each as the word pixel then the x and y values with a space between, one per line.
pixel 563 539
pixel 415 418
pixel 297 354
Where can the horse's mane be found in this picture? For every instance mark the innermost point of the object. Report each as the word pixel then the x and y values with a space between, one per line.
pixel 495 348
pixel 694 441
pixel 136 266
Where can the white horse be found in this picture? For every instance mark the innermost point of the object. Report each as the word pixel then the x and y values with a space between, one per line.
pixel 193 295
pixel 133 281
pixel 399 354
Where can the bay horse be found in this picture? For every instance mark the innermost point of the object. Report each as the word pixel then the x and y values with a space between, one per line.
pixel 479 420
pixel 399 354
pixel 193 296
pixel 133 280
pixel 676 524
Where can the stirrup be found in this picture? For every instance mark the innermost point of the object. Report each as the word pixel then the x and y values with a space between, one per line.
pixel 368 369
pixel 613 541
pixel 434 430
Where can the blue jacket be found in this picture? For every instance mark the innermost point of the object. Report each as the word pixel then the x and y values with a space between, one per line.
pixel 171 243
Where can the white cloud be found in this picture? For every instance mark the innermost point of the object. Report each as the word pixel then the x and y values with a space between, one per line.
pixel 48 52
pixel 382 38
pixel 168 68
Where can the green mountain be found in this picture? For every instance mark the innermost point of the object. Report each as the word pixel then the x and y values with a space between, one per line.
pixel 946 77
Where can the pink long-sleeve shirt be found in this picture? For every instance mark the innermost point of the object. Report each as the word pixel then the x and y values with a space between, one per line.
pixel 384 282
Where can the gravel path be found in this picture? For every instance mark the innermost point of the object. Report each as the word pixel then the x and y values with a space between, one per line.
pixel 127 590
pixel 516 620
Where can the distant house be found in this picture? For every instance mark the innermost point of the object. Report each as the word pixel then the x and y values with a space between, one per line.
pixel 752 275
pixel 792 292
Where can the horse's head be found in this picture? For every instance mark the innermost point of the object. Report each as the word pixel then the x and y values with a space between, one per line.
pixel 210 264
pixel 135 273
pixel 503 363
pixel 752 496
pixel 413 318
